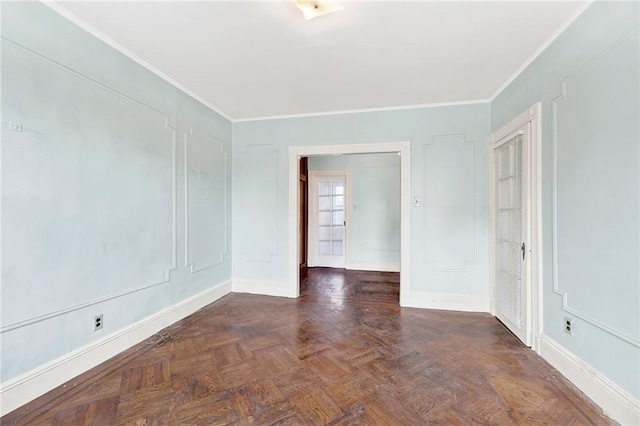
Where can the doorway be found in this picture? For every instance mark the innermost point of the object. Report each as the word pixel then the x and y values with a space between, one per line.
pixel 295 155
pixel 303 215
pixel 514 235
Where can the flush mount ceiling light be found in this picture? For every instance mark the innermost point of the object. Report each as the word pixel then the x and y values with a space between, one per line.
pixel 314 8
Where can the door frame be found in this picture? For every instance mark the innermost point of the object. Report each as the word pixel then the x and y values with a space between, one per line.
pixel 404 150
pixel 312 233
pixel 534 205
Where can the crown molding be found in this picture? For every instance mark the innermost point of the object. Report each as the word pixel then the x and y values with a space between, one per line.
pixel 56 7
pixel 561 29
pixel 356 111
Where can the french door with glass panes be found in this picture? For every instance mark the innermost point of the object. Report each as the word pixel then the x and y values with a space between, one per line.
pixel 512 248
pixel 328 220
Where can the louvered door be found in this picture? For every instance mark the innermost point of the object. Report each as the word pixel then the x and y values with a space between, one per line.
pixel 512 292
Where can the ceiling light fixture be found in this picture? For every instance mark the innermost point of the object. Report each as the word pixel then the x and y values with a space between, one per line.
pixel 314 8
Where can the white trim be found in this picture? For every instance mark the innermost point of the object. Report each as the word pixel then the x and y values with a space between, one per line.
pixel 356 265
pixel 507 138
pixel 265 288
pixel 56 7
pixel 348 217
pixel 561 29
pixel 294 221
pixel 492 228
pixel 515 123
pixel 404 148
pixel 448 302
pixel 616 403
pixel 361 110
pixel 531 116
pixel 536 274
pixel 405 222
pixel 16 392
pixel 342 149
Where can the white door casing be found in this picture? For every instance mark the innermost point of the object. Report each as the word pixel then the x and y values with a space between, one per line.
pixel 404 149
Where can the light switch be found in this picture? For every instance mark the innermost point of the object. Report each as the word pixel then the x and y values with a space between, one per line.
pixel 417 202
pixel 16 127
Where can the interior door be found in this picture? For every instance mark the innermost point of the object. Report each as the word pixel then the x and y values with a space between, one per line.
pixel 304 207
pixel 511 184
pixel 327 206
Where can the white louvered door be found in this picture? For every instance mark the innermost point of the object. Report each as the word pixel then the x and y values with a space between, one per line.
pixel 511 189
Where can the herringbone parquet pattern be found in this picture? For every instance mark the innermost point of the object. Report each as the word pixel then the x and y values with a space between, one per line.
pixel 343 353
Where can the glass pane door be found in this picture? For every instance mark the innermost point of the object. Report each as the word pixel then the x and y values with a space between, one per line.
pixel 331 220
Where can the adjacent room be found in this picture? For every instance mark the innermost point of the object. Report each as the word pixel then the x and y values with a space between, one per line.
pixel 320 212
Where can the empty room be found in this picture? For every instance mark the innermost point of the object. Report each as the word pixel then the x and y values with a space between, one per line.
pixel 320 212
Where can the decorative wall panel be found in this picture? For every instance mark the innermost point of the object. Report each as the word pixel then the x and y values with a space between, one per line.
pixel 596 182
pixel 259 202
pixel 449 203
pixel 88 191
pixel 205 200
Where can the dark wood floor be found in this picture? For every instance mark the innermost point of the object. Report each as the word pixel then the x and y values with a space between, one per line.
pixel 343 353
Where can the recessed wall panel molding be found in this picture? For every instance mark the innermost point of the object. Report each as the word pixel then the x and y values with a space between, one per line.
pixel 596 178
pixel 206 200
pixel 259 202
pixel 449 203
pixel 89 191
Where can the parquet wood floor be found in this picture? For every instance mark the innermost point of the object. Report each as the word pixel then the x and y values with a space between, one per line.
pixel 343 353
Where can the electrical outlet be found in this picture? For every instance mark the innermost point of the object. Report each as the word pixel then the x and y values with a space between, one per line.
pixel 97 322
pixel 568 326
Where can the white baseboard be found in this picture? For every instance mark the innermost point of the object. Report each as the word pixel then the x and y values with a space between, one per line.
pixel 615 401
pixel 18 391
pixel 449 302
pixel 374 266
pixel 265 288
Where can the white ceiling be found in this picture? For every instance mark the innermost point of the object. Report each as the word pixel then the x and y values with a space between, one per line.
pixel 262 59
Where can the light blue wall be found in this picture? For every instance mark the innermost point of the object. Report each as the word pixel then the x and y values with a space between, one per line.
pixel 448 154
pixel 96 210
pixel 587 82
pixel 93 190
pixel 374 230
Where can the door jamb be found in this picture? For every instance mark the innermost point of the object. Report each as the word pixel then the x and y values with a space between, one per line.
pixel 404 150
pixel 532 115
